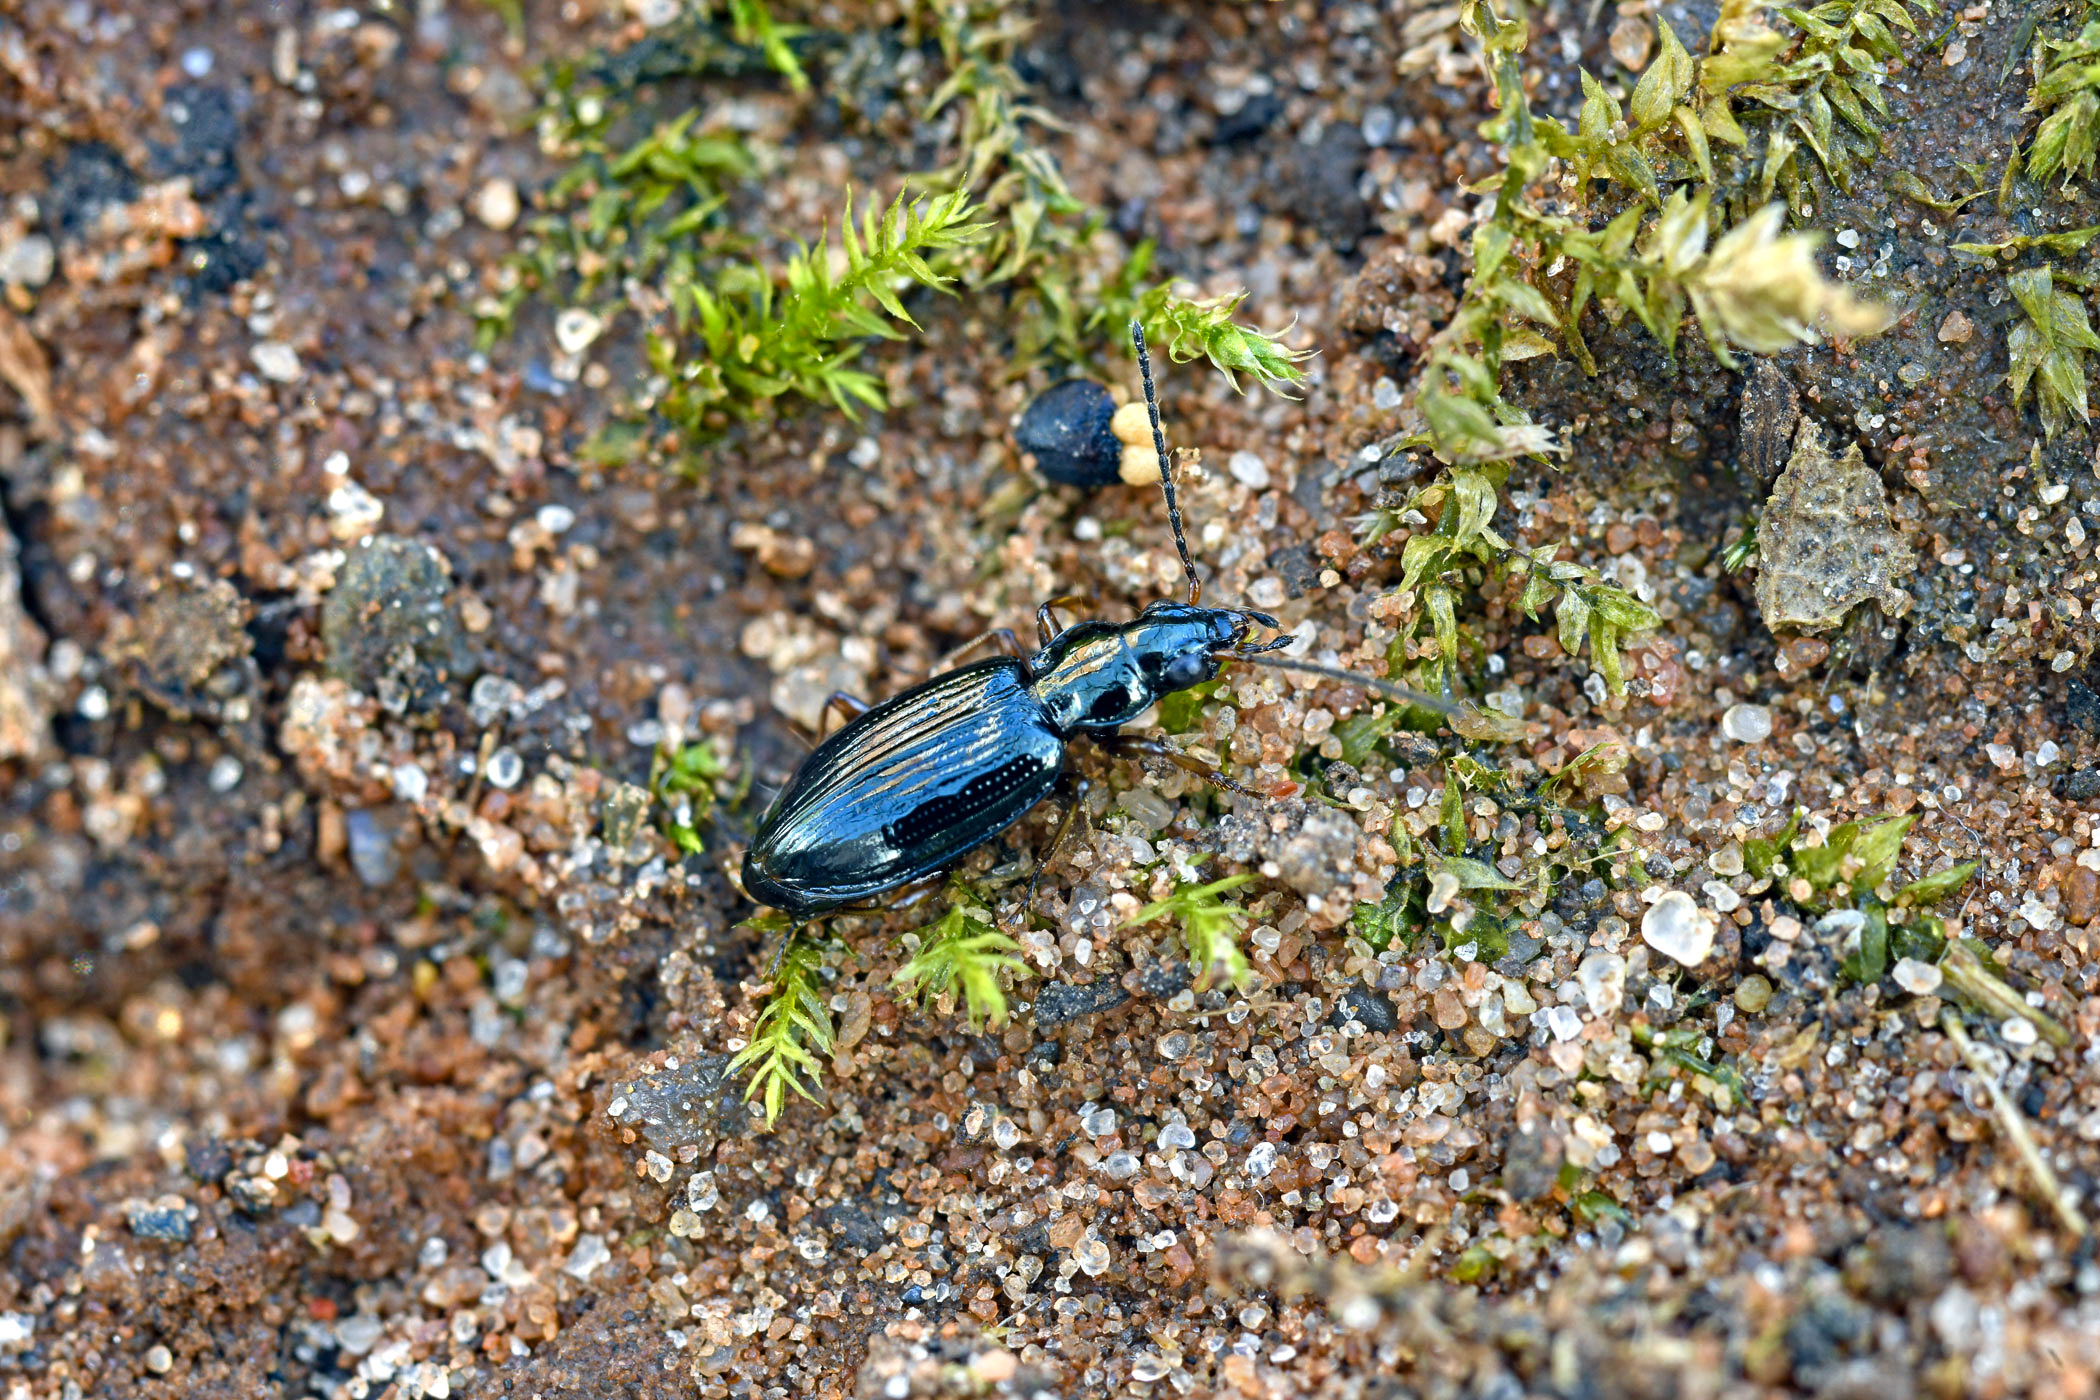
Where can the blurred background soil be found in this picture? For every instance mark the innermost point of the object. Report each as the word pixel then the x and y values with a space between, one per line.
pixel 359 1038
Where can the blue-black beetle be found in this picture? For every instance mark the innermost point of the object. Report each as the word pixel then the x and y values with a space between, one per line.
pixel 910 786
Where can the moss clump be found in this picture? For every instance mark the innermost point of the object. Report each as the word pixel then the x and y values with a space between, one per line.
pixel 792 1030
pixel 1687 228
pixel 962 953
pixel 1210 928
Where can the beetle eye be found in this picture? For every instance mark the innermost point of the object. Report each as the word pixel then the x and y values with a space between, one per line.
pixel 1186 670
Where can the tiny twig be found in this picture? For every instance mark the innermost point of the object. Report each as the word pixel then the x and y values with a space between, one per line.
pixel 2015 1128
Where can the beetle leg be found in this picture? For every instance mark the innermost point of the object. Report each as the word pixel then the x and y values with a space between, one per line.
pixel 1072 790
pixel 851 706
pixel 1001 637
pixel 1046 627
pixel 1138 745
pixel 902 897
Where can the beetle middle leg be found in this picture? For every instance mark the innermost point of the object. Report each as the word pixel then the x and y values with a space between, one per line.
pixel 1001 637
pixel 1140 746
pixel 1073 792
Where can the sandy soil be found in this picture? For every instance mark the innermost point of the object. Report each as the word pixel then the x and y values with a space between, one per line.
pixel 354 1043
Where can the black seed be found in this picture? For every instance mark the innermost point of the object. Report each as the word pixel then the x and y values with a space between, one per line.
pixel 1066 428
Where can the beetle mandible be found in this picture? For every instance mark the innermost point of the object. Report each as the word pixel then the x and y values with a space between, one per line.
pixel 909 787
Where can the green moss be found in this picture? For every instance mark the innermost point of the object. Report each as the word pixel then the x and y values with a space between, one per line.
pixel 2066 93
pixel 751 334
pixel 684 782
pixel 1668 164
pixel 964 952
pixel 1210 928
pixel 2047 349
pixel 792 1031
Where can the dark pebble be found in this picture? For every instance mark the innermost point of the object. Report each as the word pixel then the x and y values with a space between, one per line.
pixel 693 1105
pixel 1061 1002
pixel 159 1222
pixel 1317 185
pixel 1158 981
pixel 1066 428
pixel 1255 116
pixel 207 1159
pixel 1374 1009
pixel 855 1226
pixel 251 1194
pixel 1522 949
pixel 1902 1263
pixel 2083 784
pixel 2083 706
pixel 389 627
pixel 1531 1165
pixel 88 178
pixel 207 128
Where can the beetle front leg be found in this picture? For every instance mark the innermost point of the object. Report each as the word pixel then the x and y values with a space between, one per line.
pixel 1140 746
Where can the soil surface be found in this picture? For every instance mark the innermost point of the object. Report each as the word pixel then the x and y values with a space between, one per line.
pixel 361 1036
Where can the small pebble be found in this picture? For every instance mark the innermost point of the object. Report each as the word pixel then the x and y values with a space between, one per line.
pixel 1956 329
pixel 1753 995
pixel 575 329
pixel 1249 471
pixel 276 361
pixel 496 204
pixel 2018 1030
pixel 584 1259
pixel 1918 978
pixel 505 768
pixel 28 261
pixel 1747 724
pixel 1678 929
pixel 159 1360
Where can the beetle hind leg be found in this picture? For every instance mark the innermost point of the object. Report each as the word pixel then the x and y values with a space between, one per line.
pixel 851 706
pixel 904 896
pixel 1073 791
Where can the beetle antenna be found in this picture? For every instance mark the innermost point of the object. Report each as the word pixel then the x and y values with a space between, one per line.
pixel 1166 464
pixel 1404 694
